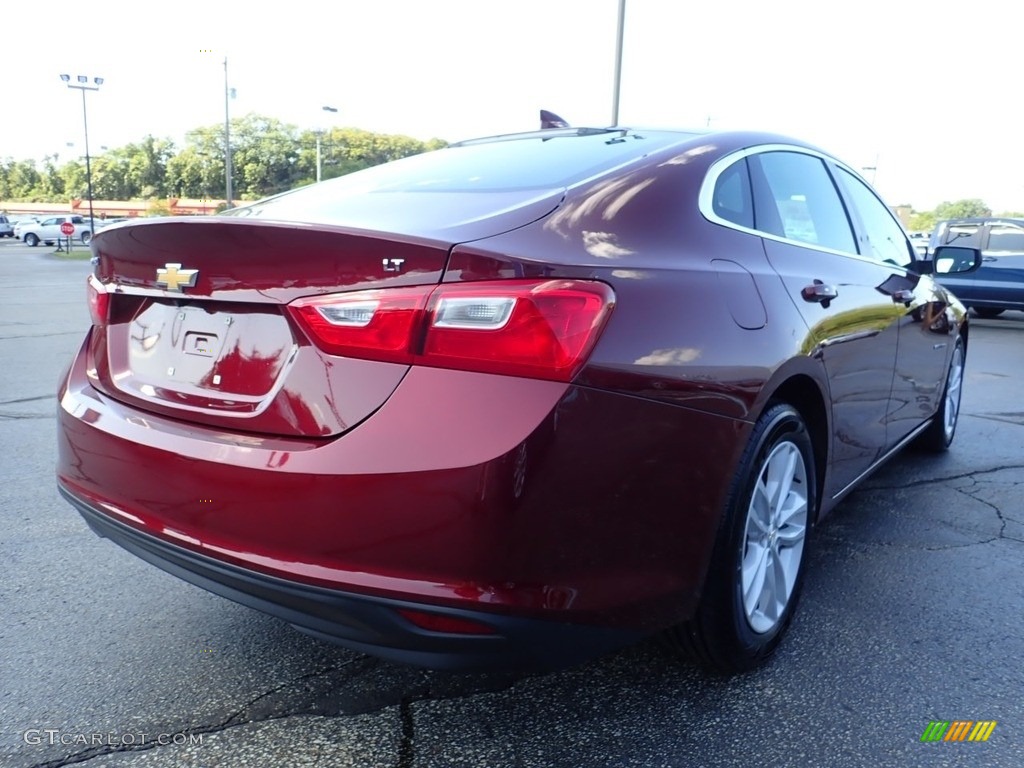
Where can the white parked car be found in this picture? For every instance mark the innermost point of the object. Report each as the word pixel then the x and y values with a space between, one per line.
pixel 21 223
pixel 48 230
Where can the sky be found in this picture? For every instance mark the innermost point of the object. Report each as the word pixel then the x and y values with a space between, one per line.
pixel 899 87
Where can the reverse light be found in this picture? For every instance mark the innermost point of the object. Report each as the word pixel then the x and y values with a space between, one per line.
pixel 98 300
pixel 535 328
pixel 356 314
pixel 481 314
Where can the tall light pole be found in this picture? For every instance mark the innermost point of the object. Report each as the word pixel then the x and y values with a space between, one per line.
pixel 228 92
pixel 618 63
pixel 872 168
pixel 83 86
pixel 319 133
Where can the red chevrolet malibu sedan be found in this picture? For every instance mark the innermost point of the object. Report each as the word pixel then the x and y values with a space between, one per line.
pixel 515 402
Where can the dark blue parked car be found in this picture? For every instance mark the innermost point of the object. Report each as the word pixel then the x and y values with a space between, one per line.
pixel 999 284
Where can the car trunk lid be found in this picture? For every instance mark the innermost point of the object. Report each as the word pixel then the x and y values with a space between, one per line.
pixel 197 328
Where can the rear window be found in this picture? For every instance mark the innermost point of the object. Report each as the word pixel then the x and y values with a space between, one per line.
pixel 533 162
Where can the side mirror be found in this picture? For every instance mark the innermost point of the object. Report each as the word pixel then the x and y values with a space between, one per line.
pixel 955 260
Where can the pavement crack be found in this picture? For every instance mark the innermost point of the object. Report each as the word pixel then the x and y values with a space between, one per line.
pixel 28 399
pixel 41 335
pixel 1003 519
pixel 407 746
pixel 929 480
pixel 234 720
pixel 990 539
pixel 1013 419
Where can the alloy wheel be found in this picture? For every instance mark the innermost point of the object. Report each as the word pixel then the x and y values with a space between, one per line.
pixel 773 541
pixel 953 386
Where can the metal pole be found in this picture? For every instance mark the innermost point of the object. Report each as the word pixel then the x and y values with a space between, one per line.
pixel 618 64
pixel 88 167
pixel 319 136
pixel 227 138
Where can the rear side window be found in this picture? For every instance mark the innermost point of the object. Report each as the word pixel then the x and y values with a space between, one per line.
pixel 732 200
pixel 963 235
pixel 802 202
pixel 1002 237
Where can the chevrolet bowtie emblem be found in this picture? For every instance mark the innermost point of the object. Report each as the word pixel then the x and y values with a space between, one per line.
pixel 174 277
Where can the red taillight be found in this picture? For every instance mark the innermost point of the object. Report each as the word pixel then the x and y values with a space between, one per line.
pixel 373 325
pixel 437 622
pixel 99 300
pixel 519 328
pixel 538 329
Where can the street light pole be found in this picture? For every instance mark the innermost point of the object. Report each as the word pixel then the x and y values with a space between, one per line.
pixel 83 86
pixel 872 168
pixel 227 137
pixel 319 133
pixel 618 64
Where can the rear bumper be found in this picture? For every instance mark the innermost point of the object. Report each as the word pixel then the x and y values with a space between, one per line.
pixel 566 519
pixel 369 624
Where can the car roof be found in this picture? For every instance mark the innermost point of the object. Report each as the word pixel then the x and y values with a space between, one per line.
pixel 983 220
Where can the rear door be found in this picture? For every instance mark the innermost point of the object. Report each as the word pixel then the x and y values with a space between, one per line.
pixel 853 324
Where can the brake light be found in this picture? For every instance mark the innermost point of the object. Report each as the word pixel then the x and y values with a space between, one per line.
pixel 373 325
pixel 540 330
pixel 98 299
pixel 536 328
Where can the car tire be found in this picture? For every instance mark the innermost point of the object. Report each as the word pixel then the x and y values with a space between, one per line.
pixel 31 240
pixel 756 573
pixel 86 237
pixel 987 312
pixel 939 434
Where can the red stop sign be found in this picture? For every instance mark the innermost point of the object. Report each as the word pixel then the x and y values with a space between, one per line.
pixel 67 228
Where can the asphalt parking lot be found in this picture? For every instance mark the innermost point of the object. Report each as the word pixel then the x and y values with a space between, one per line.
pixel 912 612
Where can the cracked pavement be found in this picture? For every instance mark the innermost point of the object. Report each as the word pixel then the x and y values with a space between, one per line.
pixel 912 611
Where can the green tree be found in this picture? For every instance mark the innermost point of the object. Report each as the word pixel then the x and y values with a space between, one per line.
pixel 198 169
pixel 351 149
pixel 962 209
pixel 264 156
pixel 922 221
pixel 110 176
pixel 268 156
pixel 72 176
pixel 147 166
pixel 20 180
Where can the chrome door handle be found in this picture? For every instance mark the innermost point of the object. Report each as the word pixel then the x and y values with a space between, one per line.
pixel 819 292
pixel 903 296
